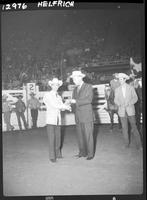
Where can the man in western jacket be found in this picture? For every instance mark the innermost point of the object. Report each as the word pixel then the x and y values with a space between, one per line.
pixel 84 116
pixel 125 98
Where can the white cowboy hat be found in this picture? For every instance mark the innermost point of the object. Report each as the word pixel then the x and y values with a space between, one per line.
pixel 123 75
pixel 55 81
pixel 77 73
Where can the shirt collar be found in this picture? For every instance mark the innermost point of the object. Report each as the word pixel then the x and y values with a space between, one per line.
pixel 79 86
pixel 54 92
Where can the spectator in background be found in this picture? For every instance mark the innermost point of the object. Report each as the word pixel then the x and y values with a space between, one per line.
pixel 125 98
pixel 20 109
pixel 7 109
pixel 34 105
pixel 138 105
pixel 54 104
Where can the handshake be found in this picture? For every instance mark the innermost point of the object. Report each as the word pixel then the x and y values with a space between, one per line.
pixel 70 101
pixel 67 104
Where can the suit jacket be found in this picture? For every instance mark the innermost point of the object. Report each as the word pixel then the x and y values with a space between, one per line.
pixel 54 106
pixel 126 105
pixel 83 108
pixel 20 106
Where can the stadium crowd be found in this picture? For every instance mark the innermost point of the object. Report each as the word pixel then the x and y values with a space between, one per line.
pixel 27 57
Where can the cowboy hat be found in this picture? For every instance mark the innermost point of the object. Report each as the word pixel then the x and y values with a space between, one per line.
pixel 55 81
pixel 77 74
pixel 123 75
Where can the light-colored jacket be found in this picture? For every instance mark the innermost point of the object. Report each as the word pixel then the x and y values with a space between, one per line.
pixel 126 105
pixel 54 106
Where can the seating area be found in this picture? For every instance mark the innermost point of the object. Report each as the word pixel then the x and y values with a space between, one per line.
pixel 35 54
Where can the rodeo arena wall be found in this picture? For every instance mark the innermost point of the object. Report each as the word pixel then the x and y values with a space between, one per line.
pixel 101 115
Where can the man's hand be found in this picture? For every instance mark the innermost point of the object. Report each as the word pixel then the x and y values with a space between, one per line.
pixel 67 102
pixel 70 101
pixel 66 107
pixel 73 101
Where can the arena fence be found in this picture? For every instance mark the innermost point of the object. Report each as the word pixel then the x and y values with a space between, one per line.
pixel 68 118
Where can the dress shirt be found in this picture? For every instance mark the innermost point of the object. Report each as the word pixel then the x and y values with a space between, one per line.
pixel 79 87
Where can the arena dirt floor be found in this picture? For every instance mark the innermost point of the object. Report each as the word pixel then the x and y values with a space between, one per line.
pixel 27 170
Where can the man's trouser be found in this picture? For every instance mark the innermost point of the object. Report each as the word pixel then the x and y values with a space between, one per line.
pixel 34 115
pixel 22 116
pixel 54 138
pixel 85 139
pixel 134 130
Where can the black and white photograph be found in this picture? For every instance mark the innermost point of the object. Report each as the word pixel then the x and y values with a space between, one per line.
pixel 72 81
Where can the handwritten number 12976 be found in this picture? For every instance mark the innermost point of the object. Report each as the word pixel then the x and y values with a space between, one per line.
pixel 15 6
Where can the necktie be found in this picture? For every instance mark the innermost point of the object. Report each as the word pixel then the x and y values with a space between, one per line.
pixel 78 89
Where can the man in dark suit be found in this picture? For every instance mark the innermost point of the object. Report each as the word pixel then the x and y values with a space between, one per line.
pixel 84 116
pixel 20 108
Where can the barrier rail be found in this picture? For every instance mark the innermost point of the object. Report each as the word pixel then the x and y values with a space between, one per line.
pixel 101 116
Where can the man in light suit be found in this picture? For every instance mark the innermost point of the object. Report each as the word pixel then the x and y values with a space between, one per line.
pixel 84 117
pixel 54 105
pixel 125 98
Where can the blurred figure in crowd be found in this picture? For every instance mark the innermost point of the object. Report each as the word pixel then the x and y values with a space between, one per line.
pixel 7 109
pixel 54 105
pixel 20 109
pixel 139 103
pixel 34 105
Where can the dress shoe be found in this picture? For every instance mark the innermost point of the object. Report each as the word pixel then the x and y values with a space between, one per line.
pixel 53 160
pixel 78 156
pixel 89 158
pixel 59 157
